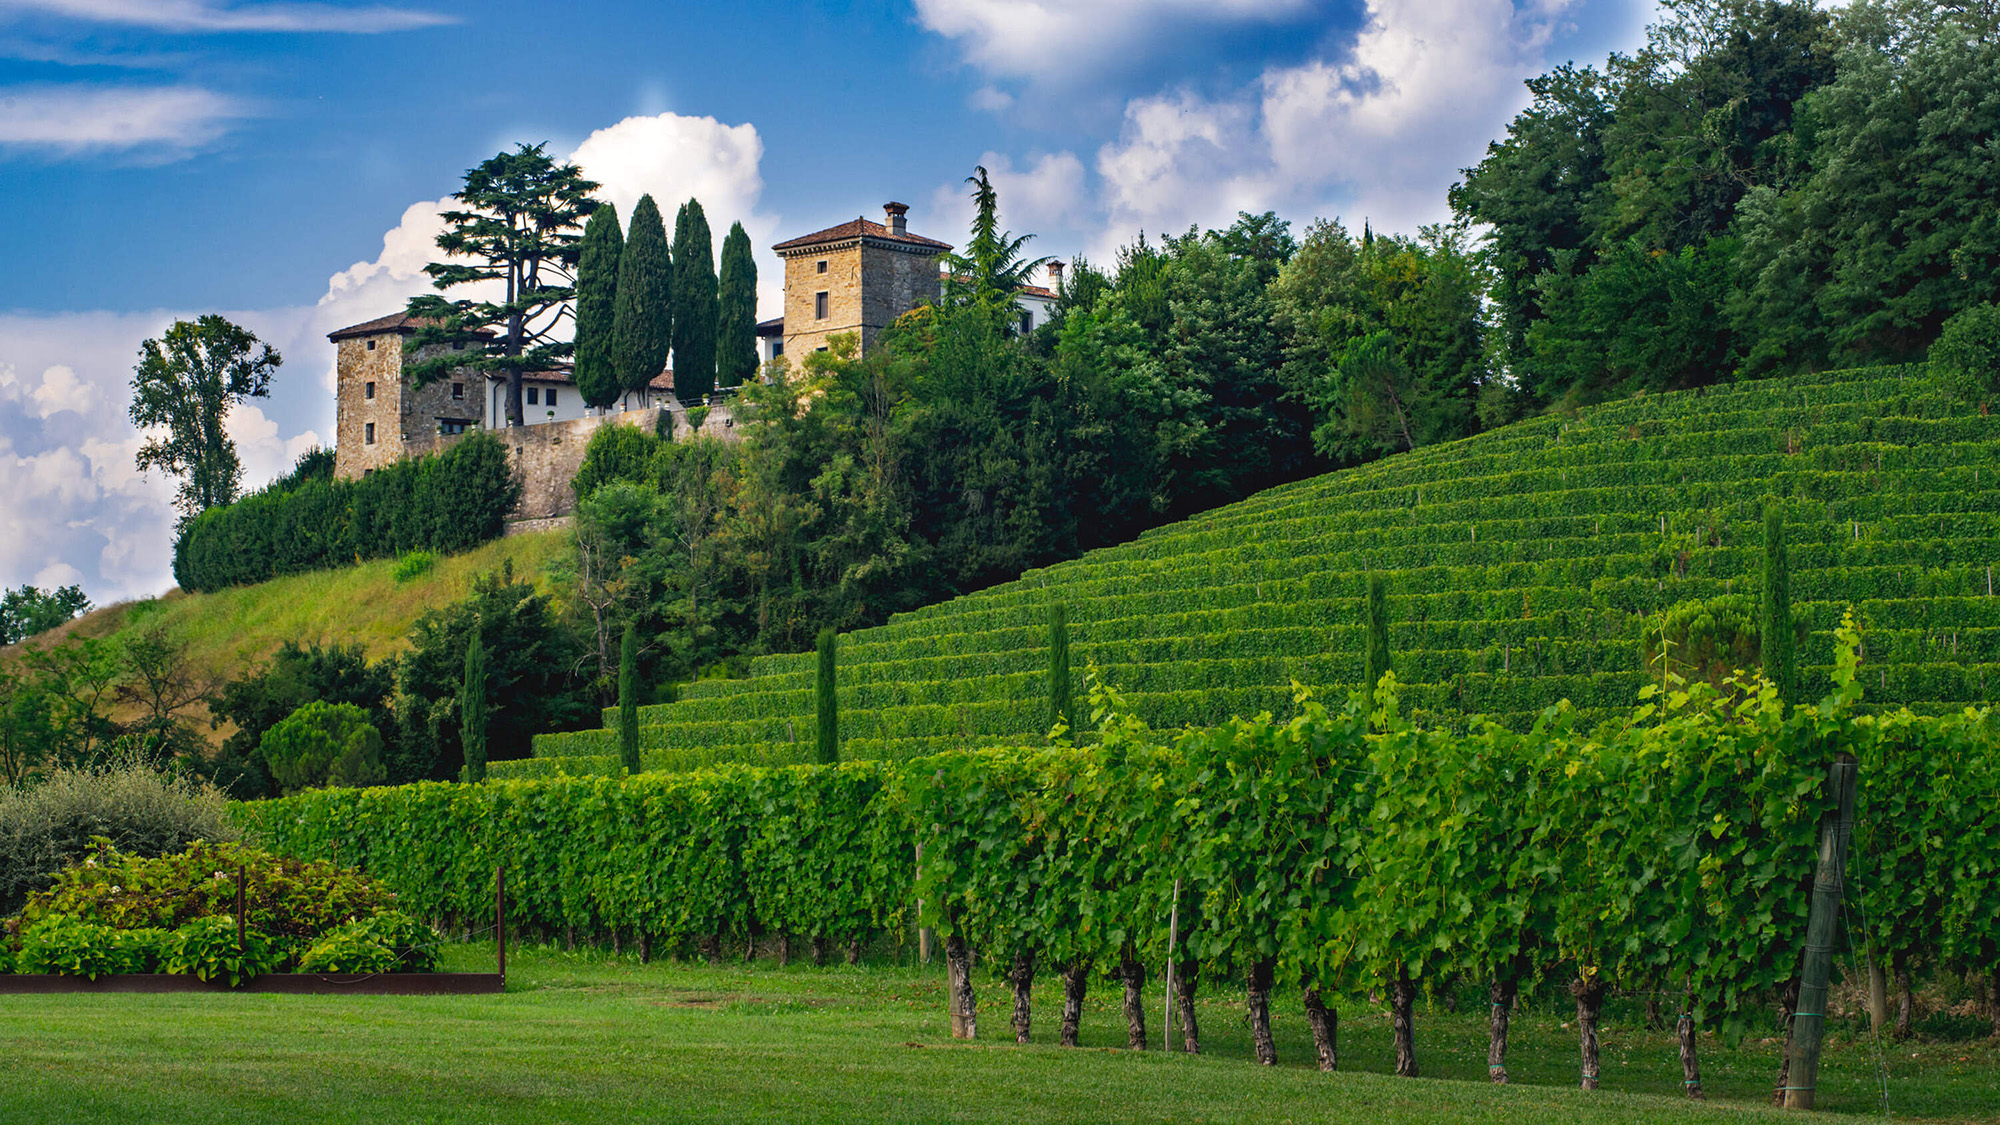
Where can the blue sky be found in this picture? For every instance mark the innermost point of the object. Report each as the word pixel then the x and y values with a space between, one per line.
pixel 282 163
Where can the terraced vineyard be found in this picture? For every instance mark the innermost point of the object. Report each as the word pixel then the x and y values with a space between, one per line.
pixel 1522 562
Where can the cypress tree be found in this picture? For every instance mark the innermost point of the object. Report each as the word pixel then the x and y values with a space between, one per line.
pixel 696 304
pixel 628 699
pixel 829 705
pixel 736 325
pixel 596 304
pixel 642 318
pixel 1378 661
pixel 472 710
pixel 1061 710
pixel 1776 640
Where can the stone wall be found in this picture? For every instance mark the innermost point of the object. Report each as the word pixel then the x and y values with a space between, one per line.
pixel 403 417
pixel 547 456
pixel 897 281
pixel 805 333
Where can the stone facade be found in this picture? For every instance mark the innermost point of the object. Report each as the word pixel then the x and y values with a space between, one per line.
pixel 860 275
pixel 378 415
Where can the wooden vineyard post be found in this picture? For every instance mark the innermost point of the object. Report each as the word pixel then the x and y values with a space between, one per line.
pixel 1173 939
pixel 1821 925
pixel 500 918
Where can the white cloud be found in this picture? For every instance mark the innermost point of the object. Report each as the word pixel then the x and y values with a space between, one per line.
pixel 1060 40
pixel 203 16
pixel 675 158
pixel 1379 132
pixel 991 99
pixel 1050 194
pixel 70 120
pixel 61 390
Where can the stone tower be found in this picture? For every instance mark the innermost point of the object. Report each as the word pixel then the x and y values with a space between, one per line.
pixel 857 277
pixel 378 416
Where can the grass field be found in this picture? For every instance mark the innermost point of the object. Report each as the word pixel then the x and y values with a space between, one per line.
pixel 589 1038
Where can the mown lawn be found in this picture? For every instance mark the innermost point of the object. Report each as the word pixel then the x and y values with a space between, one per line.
pixel 586 1038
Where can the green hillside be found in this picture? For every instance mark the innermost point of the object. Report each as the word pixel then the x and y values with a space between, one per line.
pixel 1522 562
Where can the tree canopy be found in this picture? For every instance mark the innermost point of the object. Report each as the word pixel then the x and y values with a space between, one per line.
pixel 187 381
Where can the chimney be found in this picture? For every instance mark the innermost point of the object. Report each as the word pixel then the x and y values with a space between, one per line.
pixel 895 211
pixel 1055 274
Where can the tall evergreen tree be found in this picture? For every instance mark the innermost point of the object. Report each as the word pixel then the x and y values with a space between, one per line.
pixel 736 326
pixel 628 699
pixel 472 710
pixel 1776 639
pixel 642 319
pixel 696 304
pixel 1061 708
pixel 1378 661
pixel 828 702
pixel 596 305
pixel 521 232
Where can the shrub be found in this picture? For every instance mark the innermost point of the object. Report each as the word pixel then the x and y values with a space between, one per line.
pixel 207 949
pixel 62 944
pixel 283 897
pixel 451 502
pixel 324 744
pixel 136 809
pixel 1967 353
pixel 413 564
pixel 389 942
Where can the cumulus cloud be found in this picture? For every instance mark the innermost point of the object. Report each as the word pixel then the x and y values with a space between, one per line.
pixel 1379 131
pixel 203 16
pixel 77 120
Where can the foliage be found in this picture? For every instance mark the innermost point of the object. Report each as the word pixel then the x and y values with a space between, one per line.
pixel 826 701
pixel 697 310
pixel 992 268
pixel 212 948
pixel 284 897
pixel 628 699
pixel 413 564
pixel 596 304
pixel 532 660
pixel 517 240
pixel 28 611
pixel 736 326
pixel 642 318
pixel 58 943
pixel 187 381
pixel 49 826
pixel 1376 605
pixel 1704 638
pixel 296 676
pixel 1062 708
pixel 1777 644
pixel 386 942
pixel 445 503
pixel 1966 355
pixel 324 743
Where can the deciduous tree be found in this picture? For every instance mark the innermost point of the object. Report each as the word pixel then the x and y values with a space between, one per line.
pixel 187 381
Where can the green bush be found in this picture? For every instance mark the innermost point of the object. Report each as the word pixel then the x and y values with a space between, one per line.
pixel 209 949
pixel 413 564
pixel 324 744
pixel 388 942
pixel 47 827
pixel 62 944
pixel 283 896
pixel 446 503
pixel 1967 353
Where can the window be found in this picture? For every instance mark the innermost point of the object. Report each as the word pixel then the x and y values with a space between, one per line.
pixel 368 389
pixel 458 345
pixel 371 345
pixel 551 399
pixel 1027 322
pixel 819 306
pixel 368 434
pixel 458 392
pixel 533 393
pixel 819 349
pixel 451 426
pixel 777 348
pixel 821 268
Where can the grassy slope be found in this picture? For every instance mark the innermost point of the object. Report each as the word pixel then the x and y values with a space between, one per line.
pixel 232 630
pixel 1521 562
pixel 583 1038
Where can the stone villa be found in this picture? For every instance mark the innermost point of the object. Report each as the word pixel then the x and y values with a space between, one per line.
pixel 857 277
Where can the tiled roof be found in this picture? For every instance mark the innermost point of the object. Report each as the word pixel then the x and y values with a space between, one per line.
pixel 1037 291
pixel 394 322
pixel 858 228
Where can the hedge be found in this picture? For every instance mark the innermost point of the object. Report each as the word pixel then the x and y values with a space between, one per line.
pixel 449 502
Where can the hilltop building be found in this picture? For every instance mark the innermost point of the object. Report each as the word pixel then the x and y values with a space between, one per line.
pixel 860 276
